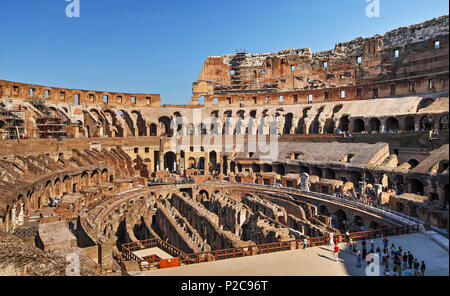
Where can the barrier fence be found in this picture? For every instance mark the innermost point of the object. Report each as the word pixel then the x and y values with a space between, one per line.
pixel 195 258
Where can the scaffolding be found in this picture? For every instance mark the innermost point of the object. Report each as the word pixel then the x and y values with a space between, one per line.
pixel 51 124
pixel 12 123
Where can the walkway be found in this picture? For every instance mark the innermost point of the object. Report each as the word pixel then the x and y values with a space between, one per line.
pixel 317 261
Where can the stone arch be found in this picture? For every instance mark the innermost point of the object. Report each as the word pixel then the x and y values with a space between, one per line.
pixel 358 126
pixel 140 124
pixel 374 125
pixel 413 163
pixel 314 128
pixel 417 187
pixel 192 163
pixel 344 123
pixel 153 130
pixel 170 161
pixel 427 123
pixel 392 124
pixel 329 126
pixel 165 126
pixel 287 123
pixel 300 129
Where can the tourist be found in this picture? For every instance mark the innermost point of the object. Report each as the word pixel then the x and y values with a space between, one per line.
pixel 364 252
pixel 331 240
pixel 336 252
pixel 358 259
pixel 394 270
pixel 410 260
pixel 405 261
pixel 305 243
pixel 350 245
pixel 51 202
pixel 384 258
pixel 369 258
pixel 422 269
pixel 416 267
pixel 386 270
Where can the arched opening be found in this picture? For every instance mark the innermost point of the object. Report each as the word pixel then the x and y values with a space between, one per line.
pixel 427 123
pixel 417 187
pixel 374 125
pixel 344 123
pixel 409 123
pixel 153 130
pixel 266 168
pixel 358 125
pixel 412 163
pixel 165 123
pixel 301 121
pixel 287 123
pixel 170 161
pixel 256 168
pixel 192 163
pixel 213 159
pixel 392 124
pixel 328 127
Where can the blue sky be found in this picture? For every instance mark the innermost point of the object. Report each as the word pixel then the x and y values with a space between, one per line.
pixel 156 46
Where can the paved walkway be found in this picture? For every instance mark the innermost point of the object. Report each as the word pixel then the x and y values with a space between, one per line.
pixel 317 261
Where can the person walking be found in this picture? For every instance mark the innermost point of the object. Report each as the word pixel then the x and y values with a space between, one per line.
pixel 422 269
pixel 410 260
pixel 305 243
pixel 336 253
pixel 358 259
pixel 416 267
pixel 350 244
pixel 385 242
pixel 405 261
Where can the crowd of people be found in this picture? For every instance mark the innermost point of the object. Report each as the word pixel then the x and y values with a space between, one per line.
pixel 394 260
pixel 369 197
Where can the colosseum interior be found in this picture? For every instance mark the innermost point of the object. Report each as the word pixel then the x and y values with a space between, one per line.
pixel 256 157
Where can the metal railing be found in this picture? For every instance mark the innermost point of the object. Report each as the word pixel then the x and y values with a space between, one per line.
pixel 376 209
pixel 238 252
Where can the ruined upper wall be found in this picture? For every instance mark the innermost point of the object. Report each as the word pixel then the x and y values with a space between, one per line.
pixel 402 54
pixel 17 90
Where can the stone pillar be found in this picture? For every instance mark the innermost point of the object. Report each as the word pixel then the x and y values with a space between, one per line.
pixel 304 182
